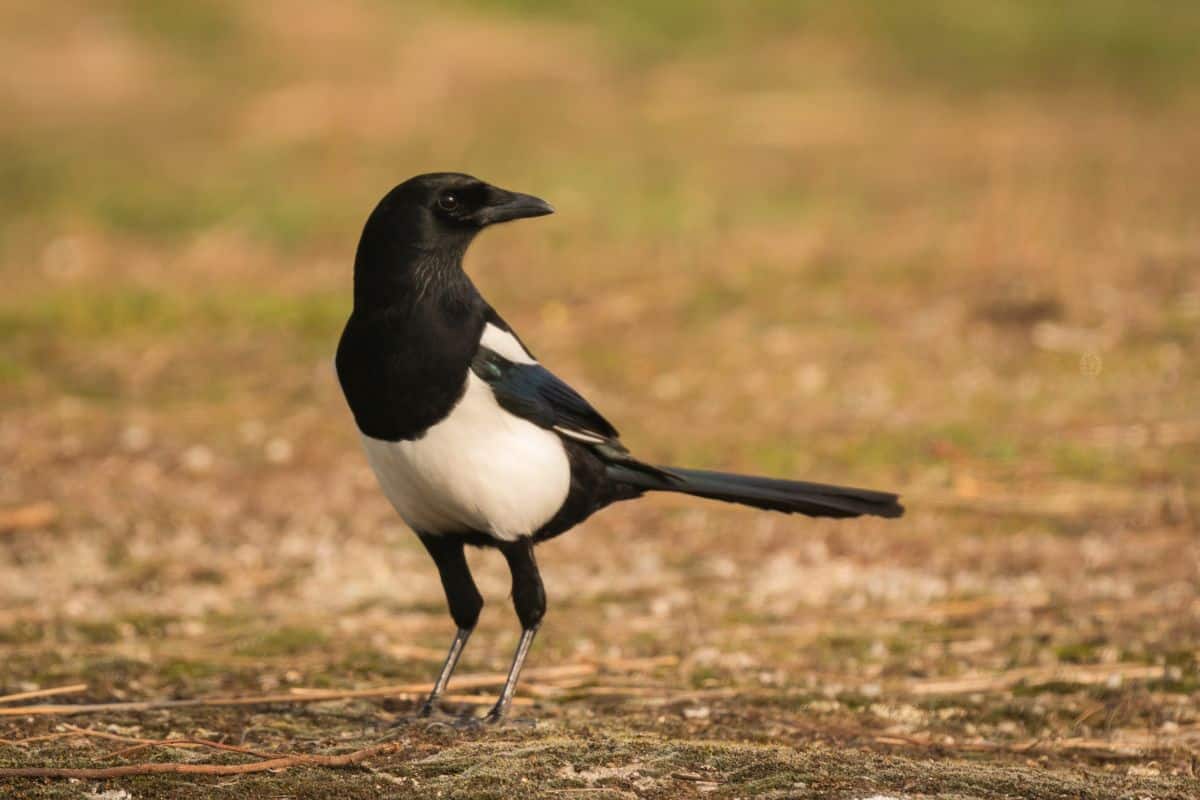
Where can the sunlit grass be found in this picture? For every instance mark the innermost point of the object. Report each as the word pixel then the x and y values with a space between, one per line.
pixel 1133 47
pixel 135 313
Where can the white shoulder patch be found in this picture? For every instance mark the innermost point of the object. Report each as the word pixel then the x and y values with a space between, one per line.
pixel 504 343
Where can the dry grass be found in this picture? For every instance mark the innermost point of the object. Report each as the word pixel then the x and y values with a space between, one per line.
pixel 779 247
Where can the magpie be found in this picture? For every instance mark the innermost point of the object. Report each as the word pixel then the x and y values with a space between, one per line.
pixel 472 440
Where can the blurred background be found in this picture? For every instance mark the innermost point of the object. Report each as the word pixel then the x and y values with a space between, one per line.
pixel 944 248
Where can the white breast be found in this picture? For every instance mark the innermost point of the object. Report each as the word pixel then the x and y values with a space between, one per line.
pixel 480 469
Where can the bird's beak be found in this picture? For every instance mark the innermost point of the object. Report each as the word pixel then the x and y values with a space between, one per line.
pixel 513 205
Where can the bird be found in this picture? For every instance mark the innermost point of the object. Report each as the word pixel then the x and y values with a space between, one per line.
pixel 472 440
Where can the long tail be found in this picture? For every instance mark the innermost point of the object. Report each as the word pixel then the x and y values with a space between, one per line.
pixel 790 497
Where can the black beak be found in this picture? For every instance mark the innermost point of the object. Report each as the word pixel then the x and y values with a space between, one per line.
pixel 512 205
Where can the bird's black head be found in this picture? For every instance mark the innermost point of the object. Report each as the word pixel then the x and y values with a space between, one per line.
pixel 442 208
pixel 420 230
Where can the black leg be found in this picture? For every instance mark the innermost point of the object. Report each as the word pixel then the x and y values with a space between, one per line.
pixel 529 599
pixel 463 598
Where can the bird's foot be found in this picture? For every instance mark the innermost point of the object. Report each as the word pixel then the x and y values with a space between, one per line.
pixel 429 711
pixel 430 717
pixel 513 723
pixel 437 721
pixel 498 719
pixel 467 723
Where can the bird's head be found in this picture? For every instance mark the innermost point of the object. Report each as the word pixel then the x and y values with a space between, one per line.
pixel 446 210
pixel 415 238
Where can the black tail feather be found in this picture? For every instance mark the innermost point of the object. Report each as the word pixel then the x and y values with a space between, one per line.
pixel 791 497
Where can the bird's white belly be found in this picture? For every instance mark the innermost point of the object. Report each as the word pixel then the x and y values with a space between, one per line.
pixel 480 469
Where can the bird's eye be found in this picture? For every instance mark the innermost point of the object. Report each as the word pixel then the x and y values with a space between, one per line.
pixel 448 201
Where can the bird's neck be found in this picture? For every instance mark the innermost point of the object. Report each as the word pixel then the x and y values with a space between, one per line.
pixel 404 277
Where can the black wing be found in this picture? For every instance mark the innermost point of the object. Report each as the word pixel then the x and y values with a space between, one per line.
pixel 532 392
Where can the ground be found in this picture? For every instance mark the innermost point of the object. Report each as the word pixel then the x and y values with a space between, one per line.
pixel 951 255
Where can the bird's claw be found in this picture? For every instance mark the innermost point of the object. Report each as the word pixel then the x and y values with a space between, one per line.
pixel 455 724
pixel 427 713
pixel 495 720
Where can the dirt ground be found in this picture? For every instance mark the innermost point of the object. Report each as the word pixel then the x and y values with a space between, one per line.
pixel 844 247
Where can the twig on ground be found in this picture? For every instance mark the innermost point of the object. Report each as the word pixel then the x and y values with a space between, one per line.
pixel 1088 714
pixel 34 515
pixel 231 748
pixel 45 737
pixel 73 688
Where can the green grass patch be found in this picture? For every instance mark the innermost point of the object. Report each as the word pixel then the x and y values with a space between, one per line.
pixel 97 631
pixel 188 671
pixel 118 312
pixel 369 663
pixel 150 626
pixel 196 29
pixel 32 178
pixel 1079 652
pixel 1134 47
pixel 114 671
pixel 11 370
pixel 652 27
pixel 1084 463
pixel 285 641
pixel 22 632
pixel 951 441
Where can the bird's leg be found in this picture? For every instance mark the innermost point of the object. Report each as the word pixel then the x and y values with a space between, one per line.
pixel 443 678
pixel 510 684
pixel 529 600
pixel 463 598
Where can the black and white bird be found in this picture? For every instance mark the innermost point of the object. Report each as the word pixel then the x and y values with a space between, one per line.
pixel 473 441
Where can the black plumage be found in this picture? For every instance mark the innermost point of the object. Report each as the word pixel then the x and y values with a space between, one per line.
pixel 473 441
pixel 534 393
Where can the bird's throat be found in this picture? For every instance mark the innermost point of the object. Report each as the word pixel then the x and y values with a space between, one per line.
pixel 411 279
